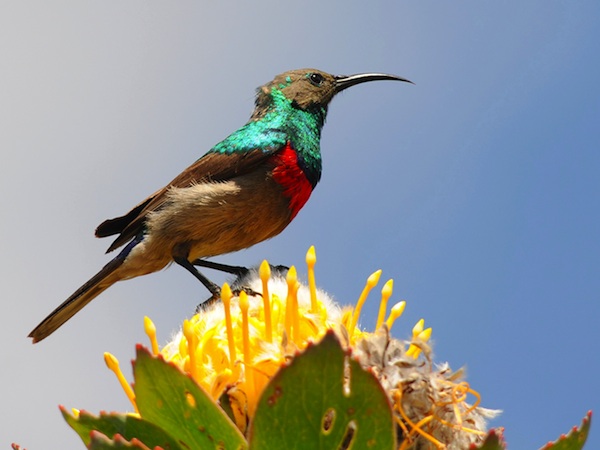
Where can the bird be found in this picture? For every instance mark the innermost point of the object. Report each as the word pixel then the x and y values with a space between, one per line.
pixel 244 190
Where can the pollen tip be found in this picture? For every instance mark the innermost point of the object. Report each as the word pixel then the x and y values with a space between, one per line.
pixel 311 256
pixel 226 293
pixel 418 327
pixel 388 288
pixel 150 330
pixel 396 312
pixel 111 361
pixel 311 259
pixel 244 304
pixel 264 270
pixel 291 276
pixel 374 278
pixel 386 293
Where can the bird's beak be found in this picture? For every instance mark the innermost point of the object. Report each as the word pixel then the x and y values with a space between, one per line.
pixel 343 82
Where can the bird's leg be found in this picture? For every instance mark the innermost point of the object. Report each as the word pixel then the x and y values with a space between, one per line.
pixel 240 271
pixel 212 287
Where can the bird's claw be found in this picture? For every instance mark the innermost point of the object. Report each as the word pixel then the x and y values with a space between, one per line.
pixel 214 298
pixel 237 285
pixel 237 291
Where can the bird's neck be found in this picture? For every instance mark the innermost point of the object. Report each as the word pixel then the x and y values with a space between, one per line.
pixel 275 102
pixel 298 127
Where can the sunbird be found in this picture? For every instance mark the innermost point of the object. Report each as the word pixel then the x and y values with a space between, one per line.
pixel 245 189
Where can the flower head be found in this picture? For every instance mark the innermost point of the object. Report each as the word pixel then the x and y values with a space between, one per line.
pixel 233 349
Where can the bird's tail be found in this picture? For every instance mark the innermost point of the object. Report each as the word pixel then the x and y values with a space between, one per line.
pixel 81 297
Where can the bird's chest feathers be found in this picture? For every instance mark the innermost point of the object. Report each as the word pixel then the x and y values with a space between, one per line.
pixel 289 174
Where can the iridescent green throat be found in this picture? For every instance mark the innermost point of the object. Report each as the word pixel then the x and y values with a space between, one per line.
pixel 282 122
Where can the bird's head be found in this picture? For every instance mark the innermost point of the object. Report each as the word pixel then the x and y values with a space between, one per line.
pixel 309 89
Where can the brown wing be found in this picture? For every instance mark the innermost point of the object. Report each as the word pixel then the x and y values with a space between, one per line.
pixel 212 166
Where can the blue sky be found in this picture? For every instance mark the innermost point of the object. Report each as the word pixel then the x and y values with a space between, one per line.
pixel 476 189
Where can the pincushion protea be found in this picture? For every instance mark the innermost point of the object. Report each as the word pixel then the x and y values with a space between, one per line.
pixel 228 378
pixel 234 348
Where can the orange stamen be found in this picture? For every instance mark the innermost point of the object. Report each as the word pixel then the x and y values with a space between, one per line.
pixel 370 284
pixel 396 312
pixel 226 299
pixel 386 293
pixel 265 273
pixel 244 305
pixel 311 260
pixel 295 314
pixel 150 329
pixel 291 280
pixel 414 350
pixel 414 427
pixel 113 364
pixel 190 337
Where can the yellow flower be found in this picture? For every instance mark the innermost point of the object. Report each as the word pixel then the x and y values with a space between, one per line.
pixel 233 349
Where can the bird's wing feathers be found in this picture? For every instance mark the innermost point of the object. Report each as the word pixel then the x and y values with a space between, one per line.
pixel 212 166
pixel 118 224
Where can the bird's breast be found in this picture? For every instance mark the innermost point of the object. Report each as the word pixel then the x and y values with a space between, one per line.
pixel 288 173
pixel 213 218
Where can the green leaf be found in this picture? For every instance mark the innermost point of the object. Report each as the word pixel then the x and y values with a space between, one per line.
pixel 308 405
pixel 173 401
pixel 574 439
pixel 493 441
pixel 101 442
pixel 127 426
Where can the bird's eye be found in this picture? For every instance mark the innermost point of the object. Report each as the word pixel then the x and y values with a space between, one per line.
pixel 316 79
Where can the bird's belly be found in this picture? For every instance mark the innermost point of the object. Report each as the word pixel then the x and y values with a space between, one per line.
pixel 213 218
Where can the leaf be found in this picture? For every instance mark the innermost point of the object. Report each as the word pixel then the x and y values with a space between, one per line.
pixel 100 442
pixel 574 439
pixel 172 400
pixel 128 427
pixel 305 405
pixel 493 441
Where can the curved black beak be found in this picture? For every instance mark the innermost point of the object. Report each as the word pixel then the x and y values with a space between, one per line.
pixel 344 82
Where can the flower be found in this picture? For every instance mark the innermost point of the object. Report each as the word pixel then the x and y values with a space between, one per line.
pixel 232 349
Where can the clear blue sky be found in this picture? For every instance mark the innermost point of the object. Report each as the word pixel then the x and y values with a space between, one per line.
pixel 477 189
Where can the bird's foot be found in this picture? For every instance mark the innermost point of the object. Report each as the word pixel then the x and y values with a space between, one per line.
pixel 204 305
pixel 238 285
pixel 216 296
pixel 250 292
